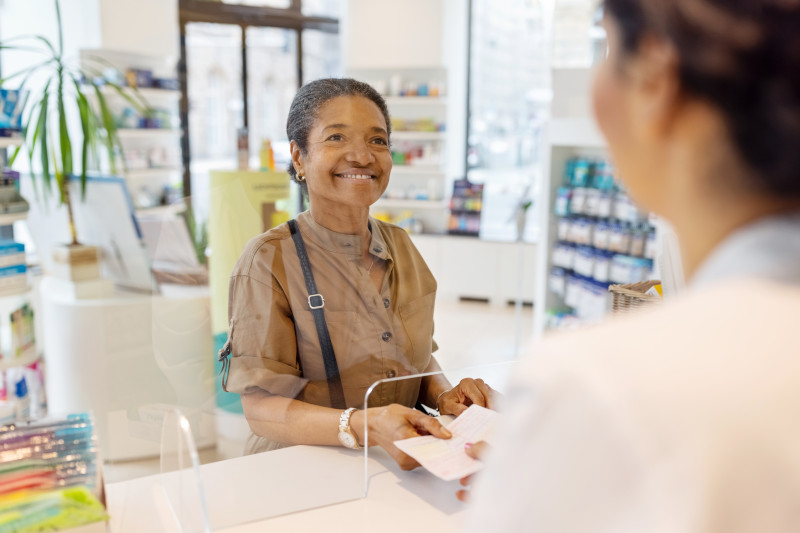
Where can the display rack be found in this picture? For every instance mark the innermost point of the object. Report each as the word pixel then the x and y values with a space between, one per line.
pixel 571 140
pixel 150 162
pixel 417 194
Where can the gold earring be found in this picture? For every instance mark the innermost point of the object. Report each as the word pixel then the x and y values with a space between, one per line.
pixel 301 178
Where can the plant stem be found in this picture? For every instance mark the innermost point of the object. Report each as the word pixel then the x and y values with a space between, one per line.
pixel 60 33
pixel 68 201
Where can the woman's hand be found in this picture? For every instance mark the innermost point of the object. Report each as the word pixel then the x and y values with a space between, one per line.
pixel 476 451
pixel 468 392
pixel 396 422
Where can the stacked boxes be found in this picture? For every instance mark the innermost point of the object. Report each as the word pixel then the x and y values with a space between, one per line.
pixel 13 271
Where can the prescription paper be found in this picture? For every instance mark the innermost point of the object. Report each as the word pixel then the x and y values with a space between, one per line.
pixel 446 458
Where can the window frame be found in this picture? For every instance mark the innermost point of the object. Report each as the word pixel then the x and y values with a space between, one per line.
pixel 244 16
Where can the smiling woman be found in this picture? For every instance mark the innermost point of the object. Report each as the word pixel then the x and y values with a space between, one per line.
pixel 362 282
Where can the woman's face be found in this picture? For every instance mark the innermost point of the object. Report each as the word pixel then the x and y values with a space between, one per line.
pixel 348 160
pixel 620 107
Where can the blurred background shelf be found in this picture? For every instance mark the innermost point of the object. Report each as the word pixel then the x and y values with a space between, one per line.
pixel 414 100
pixel 418 135
pixel 5 142
pixel 427 170
pixel 162 210
pixel 151 172
pixel 10 218
pixel 411 204
pixel 147 133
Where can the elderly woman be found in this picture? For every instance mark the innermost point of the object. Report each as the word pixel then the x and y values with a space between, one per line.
pixel 685 417
pixel 325 306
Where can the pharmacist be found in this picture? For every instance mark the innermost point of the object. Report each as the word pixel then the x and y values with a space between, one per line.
pixel 684 417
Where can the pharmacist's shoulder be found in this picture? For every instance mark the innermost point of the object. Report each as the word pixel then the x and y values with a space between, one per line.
pixel 262 252
pixel 725 332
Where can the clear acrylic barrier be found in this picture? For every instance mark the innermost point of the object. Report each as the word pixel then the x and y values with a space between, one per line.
pixel 180 481
pixel 379 464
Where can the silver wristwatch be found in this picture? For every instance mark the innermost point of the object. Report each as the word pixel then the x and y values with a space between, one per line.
pixel 346 435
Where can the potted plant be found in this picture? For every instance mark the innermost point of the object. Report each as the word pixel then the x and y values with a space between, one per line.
pixel 50 138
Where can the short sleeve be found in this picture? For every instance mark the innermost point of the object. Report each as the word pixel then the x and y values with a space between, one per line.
pixel 263 339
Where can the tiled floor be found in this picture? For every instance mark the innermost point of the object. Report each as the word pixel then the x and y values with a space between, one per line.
pixel 468 334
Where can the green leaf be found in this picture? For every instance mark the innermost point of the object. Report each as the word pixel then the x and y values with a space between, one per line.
pixel 65 143
pixel 43 145
pixel 83 108
pixel 60 32
pixel 111 138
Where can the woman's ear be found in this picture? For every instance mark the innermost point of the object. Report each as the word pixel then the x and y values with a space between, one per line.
pixel 297 158
pixel 657 88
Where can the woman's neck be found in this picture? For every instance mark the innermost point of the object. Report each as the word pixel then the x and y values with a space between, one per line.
pixel 345 220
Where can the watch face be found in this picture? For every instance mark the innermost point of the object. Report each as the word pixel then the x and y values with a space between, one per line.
pixel 347 440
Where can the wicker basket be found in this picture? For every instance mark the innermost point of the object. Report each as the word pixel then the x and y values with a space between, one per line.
pixel 632 296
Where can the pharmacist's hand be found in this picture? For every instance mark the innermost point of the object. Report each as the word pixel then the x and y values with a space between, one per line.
pixel 397 422
pixel 476 451
pixel 468 392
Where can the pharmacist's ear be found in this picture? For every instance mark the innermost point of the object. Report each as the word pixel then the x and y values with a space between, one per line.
pixel 297 158
pixel 657 89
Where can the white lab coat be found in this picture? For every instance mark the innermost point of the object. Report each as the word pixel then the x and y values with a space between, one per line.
pixel 684 418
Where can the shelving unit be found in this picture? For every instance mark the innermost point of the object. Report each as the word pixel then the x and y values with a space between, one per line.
pixel 150 141
pixel 7 142
pixel 567 138
pixel 417 194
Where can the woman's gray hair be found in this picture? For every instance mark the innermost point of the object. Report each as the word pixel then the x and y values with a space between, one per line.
pixel 309 100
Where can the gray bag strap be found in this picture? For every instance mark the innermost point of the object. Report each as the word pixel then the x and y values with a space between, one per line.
pixel 316 303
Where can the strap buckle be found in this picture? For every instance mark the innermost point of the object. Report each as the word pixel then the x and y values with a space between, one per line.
pixel 321 301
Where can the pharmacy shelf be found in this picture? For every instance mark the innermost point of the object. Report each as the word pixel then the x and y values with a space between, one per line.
pixel 162 210
pixel 7 219
pixel 414 100
pixel 151 172
pixel 148 93
pixel 411 204
pixel 5 142
pixel 28 357
pixel 14 291
pixel 421 170
pixel 147 133
pixel 418 135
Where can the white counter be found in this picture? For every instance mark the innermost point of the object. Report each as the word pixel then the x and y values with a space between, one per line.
pixel 313 488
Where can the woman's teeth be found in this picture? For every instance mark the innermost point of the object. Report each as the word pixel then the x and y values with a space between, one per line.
pixel 356 176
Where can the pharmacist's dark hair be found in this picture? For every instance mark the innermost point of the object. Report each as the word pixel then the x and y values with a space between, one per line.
pixel 312 96
pixel 743 56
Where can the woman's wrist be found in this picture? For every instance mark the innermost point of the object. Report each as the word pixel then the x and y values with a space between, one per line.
pixel 357 420
pixel 438 398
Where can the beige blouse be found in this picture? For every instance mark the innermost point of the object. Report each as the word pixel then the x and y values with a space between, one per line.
pixel 375 335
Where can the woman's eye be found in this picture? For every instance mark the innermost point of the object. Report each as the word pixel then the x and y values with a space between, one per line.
pixel 380 140
pixel 336 137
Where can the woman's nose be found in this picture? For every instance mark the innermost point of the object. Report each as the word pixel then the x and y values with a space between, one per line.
pixel 360 153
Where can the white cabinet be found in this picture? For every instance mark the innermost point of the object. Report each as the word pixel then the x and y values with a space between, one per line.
pixel 471 268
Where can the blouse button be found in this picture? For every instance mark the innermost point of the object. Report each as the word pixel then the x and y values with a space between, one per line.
pixel 386 336
pixel 390 373
pixel 386 303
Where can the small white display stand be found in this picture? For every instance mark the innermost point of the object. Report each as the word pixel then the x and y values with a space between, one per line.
pixel 129 359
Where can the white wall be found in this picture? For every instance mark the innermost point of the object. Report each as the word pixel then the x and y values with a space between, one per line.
pixel 393 34
pixel 38 17
pixel 455 36
pixel 147 27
